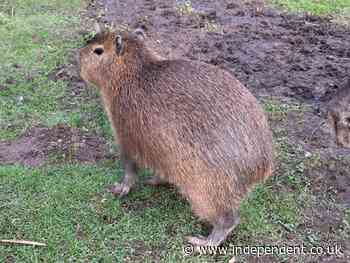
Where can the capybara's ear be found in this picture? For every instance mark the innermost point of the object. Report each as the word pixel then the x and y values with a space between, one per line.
pixel 119 44
pixel 140 34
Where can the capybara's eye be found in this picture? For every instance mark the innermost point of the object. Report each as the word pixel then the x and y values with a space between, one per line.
pixel 99 51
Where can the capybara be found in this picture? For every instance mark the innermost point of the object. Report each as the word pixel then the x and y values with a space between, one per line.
pixel 339 116
pixel 194 124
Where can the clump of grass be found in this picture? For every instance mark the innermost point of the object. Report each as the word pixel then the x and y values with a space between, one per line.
pixel 210 26
pixel 275 109
pixel 319 7
pixel 265 212
pixel 278 110
pixel 343 17
pixel 185 8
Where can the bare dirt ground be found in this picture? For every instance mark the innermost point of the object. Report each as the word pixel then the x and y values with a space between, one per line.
pixel 40 145
pixel 273 53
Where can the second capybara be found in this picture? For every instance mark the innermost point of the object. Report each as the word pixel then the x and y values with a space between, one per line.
pixel 194 124
pixel 339 116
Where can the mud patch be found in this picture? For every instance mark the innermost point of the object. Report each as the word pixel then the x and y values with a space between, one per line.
pixel 330 177
pixel 273 53
pixel 60 144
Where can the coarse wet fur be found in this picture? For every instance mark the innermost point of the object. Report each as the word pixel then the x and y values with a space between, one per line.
pixel 193 124
pixel 339 116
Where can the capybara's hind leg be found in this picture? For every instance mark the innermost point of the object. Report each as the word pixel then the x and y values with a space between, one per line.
pixel 221 229
pixel 129 179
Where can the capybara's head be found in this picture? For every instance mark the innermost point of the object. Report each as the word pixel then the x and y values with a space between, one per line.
pixel 110 53
pixel 339 116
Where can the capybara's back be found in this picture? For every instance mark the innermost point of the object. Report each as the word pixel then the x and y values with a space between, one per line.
pixel 193 124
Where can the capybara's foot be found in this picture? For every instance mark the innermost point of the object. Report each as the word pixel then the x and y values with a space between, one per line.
pixel 213 240
pixel 197 241
pixel 155 180
pixel 119 189
pixel 129 179
pixel 221 230
pixel 200 241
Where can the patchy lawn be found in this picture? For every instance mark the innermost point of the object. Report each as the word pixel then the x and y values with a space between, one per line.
pixel 36 37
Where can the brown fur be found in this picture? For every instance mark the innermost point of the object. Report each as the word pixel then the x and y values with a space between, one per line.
pixel 339 116
pixel 194 124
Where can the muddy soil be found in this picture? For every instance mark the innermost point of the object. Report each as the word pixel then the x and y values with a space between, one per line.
pixel 273 53
pixel 42 145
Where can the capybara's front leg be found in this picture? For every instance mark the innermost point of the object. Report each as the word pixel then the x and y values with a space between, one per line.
pixel 129 179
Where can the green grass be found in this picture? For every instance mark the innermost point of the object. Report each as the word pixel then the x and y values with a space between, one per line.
pixel 316 7
pixel 35 38
pixel 68 209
